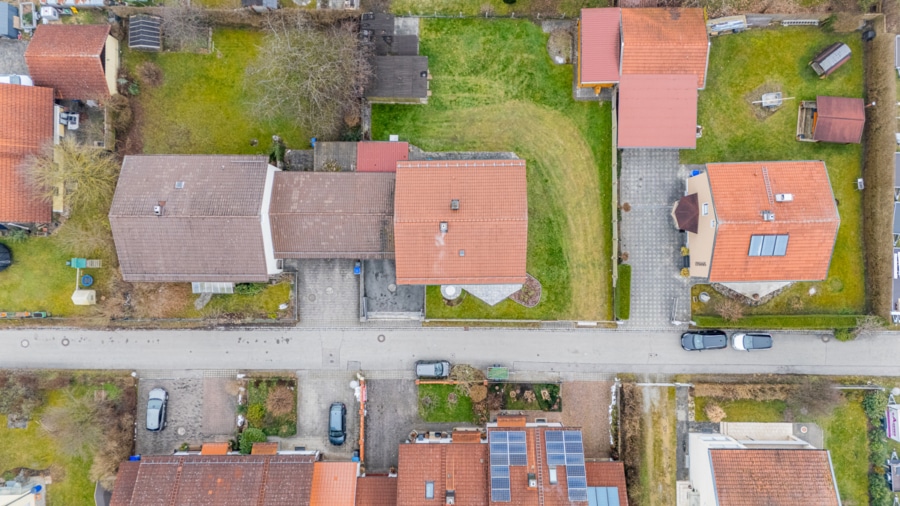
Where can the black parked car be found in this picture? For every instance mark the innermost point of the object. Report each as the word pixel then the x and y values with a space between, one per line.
pixel 337 423
pixel 699 340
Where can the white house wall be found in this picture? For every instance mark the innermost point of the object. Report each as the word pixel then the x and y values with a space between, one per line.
pixel 272 264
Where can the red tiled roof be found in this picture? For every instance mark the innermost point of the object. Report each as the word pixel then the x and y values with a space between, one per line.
pixel 27 113
pixel 380 156
pixel 511 420
pixel 267 448
pixel 459 467
pixel 839 119
pixel 376 491
pixel 665 41
pixel 69 59
pixel 487 237
pixel 657 111
pixel 200 480
pixel 599 44
pixel 773 477
pixel 466 436
pixel 811 220
pixel 608 474
pixel 334 484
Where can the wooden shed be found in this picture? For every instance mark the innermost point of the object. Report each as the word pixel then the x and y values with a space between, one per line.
pixel 830 59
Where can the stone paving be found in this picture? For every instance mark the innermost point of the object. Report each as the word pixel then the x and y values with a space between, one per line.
pixel 316 390
pixel 328 293
pixel 651 181
pixel 12 57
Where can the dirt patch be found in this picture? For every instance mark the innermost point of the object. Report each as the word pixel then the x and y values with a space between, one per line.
pixel 586 403
pixel 132 143
pixel 530 293
pixel 648 429
pixel 756 94
pixel 160 300
pixel 559 46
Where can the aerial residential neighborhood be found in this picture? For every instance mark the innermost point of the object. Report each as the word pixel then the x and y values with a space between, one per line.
pixel 457 252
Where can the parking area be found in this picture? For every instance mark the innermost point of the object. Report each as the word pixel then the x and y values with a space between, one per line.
pixel 385 299
pixel 327 291
pixel 200 409
pixel 316 391
pixel 12 57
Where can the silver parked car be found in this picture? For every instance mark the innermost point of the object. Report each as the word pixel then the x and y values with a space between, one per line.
pixel 156 409
pixel 433 369
pixel 749 341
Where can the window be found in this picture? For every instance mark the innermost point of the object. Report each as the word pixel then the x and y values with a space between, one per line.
pixel 705 208
pixel 768 245
pixel 429 490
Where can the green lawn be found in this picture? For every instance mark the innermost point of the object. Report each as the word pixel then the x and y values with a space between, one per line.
pixel 203 105
pixel 495 89
pixel 623 293
pixel 739 64
pixel 39 280
pixel 570 8
pixel 262 305
pixel 742 410
pixel 435 405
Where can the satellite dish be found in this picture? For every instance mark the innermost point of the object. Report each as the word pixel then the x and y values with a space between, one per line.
pixel 895 391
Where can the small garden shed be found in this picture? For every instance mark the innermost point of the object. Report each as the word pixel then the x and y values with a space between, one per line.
pixel 831 119
pixel 145 33
pixel 830 59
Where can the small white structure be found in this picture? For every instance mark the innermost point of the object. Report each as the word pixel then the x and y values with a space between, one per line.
pixel 84 297
pixel 892 420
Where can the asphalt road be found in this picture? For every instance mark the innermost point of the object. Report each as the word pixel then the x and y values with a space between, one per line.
pixel 590 351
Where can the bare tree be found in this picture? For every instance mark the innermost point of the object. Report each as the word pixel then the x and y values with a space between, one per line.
pixel 316 76
pixel 86 174
pixel 867 325
pixel 184 27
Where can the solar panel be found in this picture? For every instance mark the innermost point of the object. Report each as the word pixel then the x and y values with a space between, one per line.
pixel 559 447
pixel 499 471
pixel 516 437
pixel 578 494
pixel 507 448
pixel 556 459
pixel 504 495
pixel 518 460
pixel 498 436
pixel 566 448
pixel 499 459
pixel 572 435
pixel 553 436
pixel 575 471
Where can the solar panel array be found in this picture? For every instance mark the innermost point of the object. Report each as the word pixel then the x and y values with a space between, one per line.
pixel 566 448
pixel 508 448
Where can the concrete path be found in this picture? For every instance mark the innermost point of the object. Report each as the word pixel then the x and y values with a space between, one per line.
pixel 328 293
pixel 586 354
pixel 651 182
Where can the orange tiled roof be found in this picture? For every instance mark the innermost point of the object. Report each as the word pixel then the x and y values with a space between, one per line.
pixel 665 41
pixel 334 484
pixel 773 477
pixel 459 467
pixel 608 474
pixel 68 59
pixel 376 491
pixel 380 156
pixel 599 45
pixel 216 448
pixel 657 111
pixel 487 237
pixel 27 113
pixel 466 436
pixel 811 220
pixel 268 448
pixel 511 420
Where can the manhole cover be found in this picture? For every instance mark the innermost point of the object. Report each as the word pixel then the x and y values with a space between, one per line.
pixel 381 338
pixel 25 343
pixel 329 290
pixel 65 342
pixel 181 431
pixel 392 288
pixel 311 297
pixel 804 430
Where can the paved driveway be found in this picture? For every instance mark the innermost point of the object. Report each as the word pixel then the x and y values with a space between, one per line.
pixel 12 57
pixel 201 408
pixel 328 293
pixel 316 391
pixel 651 181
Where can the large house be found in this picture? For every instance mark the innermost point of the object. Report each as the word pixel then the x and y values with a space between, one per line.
pixel 194 218
pixel 462 223
pixel 80 62
pixel 759 222
pixel 28 113
pixel 755 464
pixel 658 58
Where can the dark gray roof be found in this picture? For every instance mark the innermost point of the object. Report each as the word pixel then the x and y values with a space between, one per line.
pixel 208 230
pixel 896 170
pixel 378 23
pixel 396 45
pixel 145 32
pixel 333 215
pixel 400 77
pixel 341 153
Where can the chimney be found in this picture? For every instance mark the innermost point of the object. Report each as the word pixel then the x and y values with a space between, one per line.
pixel 454 204
pixel 451 497
pixel 444 227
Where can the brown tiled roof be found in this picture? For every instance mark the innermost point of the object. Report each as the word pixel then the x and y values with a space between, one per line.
pixel 232 480
pixel 811 220
pixel 380 156
pixel 376 491
pixel 69 58
pixel 334 484
pixel 773 477
pixel 333 215
pixel 215 449
pixel 459 467
pixel 657 111
pixel 466 436
pixel 665 41
pixel 608 474
pixel 839 119
pixel 511 420
pixel 125 481
pixel 266 448
pixel 490 227
pixel 27 113
pixel 598 59
pixel 210 230
pixel 687 213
